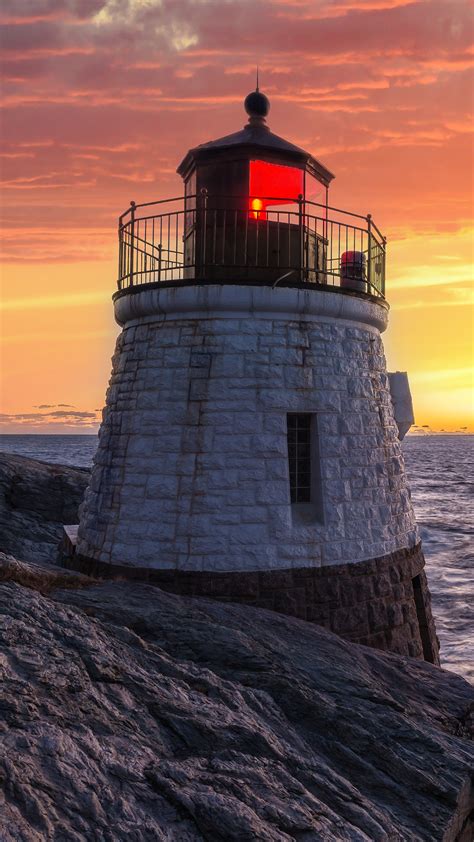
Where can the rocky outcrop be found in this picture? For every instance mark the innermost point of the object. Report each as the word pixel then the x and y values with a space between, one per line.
pixel 134 714
pixel 382 602
pixel 36 499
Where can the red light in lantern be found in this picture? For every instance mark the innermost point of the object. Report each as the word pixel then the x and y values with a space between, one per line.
pixel 256 209
pixel 275 183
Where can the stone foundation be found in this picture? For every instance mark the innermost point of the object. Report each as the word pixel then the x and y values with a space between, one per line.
pixel 384 602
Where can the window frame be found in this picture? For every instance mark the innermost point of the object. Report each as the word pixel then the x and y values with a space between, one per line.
pixel 311 509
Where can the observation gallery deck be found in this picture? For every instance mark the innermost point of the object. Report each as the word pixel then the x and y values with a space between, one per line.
pixel 204 238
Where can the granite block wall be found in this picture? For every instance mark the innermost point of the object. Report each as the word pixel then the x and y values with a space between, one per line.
pixel 191 471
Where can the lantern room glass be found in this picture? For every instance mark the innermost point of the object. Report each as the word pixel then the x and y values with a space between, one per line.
pixel 279 186
pixel 273 185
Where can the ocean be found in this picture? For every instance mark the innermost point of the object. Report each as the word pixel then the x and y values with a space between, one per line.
pixel 441 475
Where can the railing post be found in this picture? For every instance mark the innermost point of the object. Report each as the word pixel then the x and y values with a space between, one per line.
pixel 301 233
pixel 369 253
pixel 203 215
pixel 132 239
pixel 383 265
pixel 120 260
pixel 159 262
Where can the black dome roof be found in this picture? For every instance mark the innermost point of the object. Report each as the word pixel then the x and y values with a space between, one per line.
pixel 255 138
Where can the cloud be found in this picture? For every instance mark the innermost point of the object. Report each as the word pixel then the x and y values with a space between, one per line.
pixel 48 302
pixel 54 405
pixel 70 417
pixel 17 155
pixel 429 275
pixel 61 413
pixel 455 376
pixel 454 298
pixel 103 97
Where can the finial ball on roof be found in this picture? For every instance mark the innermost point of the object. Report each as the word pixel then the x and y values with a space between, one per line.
pixel 257 104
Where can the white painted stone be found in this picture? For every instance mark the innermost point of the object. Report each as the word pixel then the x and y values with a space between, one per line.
pixel 192 471
pixel 196 302
pixel 402 402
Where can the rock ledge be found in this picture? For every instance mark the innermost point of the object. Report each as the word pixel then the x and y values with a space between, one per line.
pixel 133 714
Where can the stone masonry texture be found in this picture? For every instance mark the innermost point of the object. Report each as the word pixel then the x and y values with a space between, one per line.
pixel 191 472
pixel 372 602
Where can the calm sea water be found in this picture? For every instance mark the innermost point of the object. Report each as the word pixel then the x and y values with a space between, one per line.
pixel 63 450
pixel 441 473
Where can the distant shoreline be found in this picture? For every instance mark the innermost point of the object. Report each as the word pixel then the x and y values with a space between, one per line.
pixel 94 435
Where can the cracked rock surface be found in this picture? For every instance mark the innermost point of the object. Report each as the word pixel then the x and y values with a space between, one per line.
pixel 132 714
pixel 36 499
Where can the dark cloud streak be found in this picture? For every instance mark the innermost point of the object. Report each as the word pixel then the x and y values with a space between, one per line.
pixel 76 416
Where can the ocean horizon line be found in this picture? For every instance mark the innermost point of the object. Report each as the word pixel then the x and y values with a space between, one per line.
pixel 428 434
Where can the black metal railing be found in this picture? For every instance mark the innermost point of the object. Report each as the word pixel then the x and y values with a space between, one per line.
pixel 279 241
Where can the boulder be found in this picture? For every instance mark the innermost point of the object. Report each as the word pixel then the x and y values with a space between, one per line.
pixel 36 499
pixel 133 714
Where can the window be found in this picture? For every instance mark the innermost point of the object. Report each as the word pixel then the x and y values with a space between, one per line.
pixel 304 467
pixel 299 456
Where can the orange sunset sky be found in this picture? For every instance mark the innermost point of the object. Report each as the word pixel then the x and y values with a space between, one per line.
pixel 103 97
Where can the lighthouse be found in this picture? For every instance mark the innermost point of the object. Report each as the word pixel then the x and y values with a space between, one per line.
pixel 250 444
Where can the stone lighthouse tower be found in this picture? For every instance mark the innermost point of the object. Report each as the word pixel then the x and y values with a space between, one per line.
pixel 250 449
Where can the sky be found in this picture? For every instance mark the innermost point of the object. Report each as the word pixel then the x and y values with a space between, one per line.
pixel 101 100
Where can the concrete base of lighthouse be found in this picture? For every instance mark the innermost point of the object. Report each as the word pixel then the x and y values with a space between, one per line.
pixel 190 486
pixel 384 603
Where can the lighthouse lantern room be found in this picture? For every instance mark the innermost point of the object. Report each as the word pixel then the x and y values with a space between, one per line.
pixel 245 199
pixel 250 443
